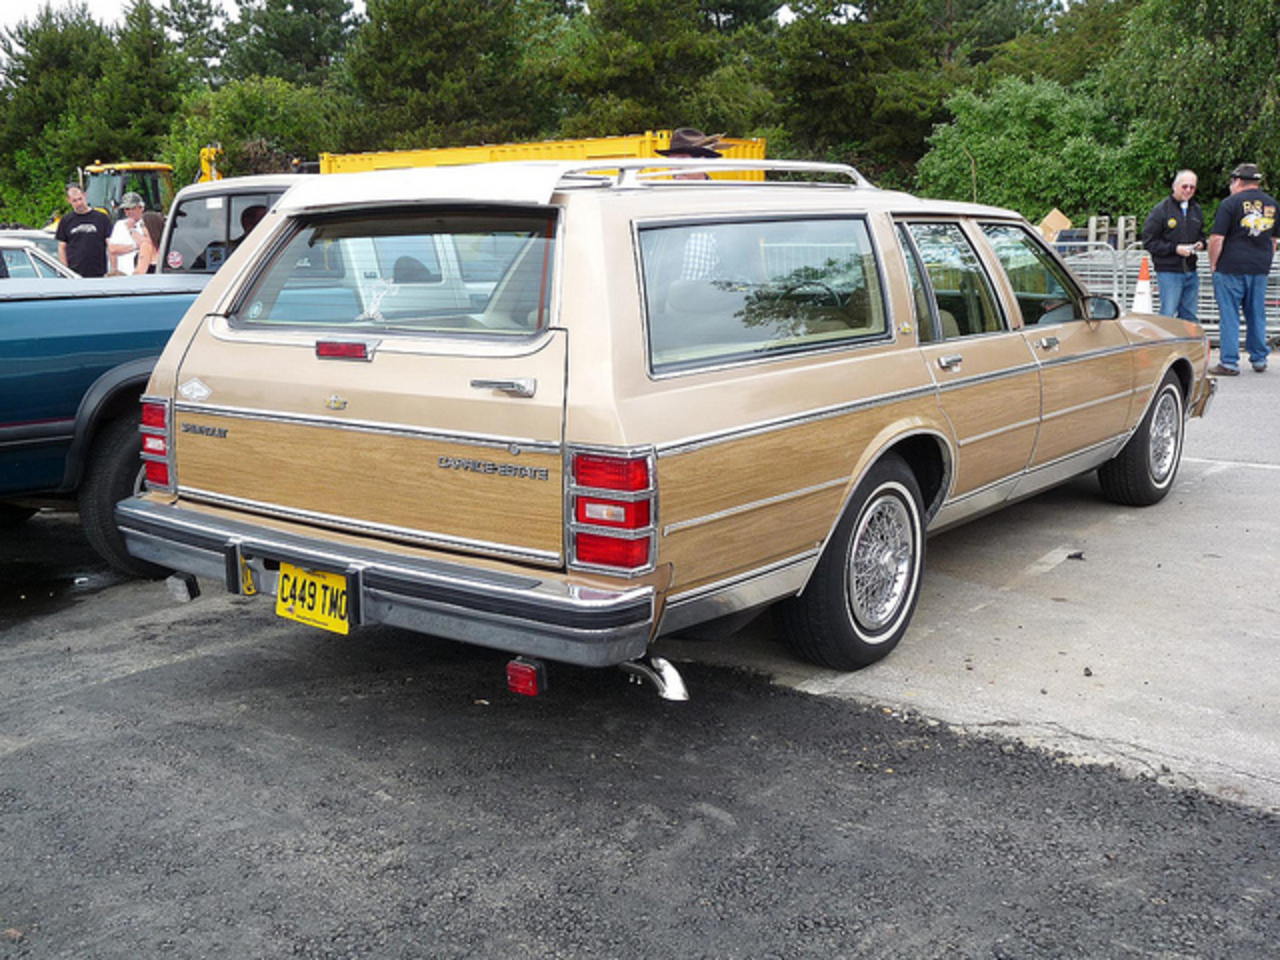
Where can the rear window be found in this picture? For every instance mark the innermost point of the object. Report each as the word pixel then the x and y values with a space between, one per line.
pixel 717 292
pixel 470 272
pixel 206 230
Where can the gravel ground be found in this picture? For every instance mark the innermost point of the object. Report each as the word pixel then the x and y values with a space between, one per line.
pixel 208 781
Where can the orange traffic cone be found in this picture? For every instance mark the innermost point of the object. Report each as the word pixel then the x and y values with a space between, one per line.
pixel 1142 292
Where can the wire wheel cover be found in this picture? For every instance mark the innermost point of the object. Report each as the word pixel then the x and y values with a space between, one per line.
pixel 881 562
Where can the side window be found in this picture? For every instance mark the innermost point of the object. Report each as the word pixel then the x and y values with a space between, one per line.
pixel 965 300
pixel 21 266
pixel 717 292
pixel 921 299
pixel 1045 292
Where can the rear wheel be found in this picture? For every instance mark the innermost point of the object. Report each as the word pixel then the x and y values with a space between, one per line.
pixel 113 473
pixel 1143 472
pixel 858 603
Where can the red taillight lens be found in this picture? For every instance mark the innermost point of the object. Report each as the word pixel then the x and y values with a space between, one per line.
pixel 605 551
pixel 613 493
pixel 630 474
pixel 157 465
pixel 155 415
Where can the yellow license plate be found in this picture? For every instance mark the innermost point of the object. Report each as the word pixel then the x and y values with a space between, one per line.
pixel 314 597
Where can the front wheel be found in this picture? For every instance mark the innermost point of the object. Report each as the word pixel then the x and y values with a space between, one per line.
pixel 858 603
pixel 113 473
pixel 1143 472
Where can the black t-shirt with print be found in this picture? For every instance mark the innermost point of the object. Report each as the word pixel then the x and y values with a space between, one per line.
pixel 85 235
pixel 1247 223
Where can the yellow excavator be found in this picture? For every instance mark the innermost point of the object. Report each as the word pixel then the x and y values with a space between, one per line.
pixel 106 183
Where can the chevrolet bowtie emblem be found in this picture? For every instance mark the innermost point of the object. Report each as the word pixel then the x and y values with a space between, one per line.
pixel 335 402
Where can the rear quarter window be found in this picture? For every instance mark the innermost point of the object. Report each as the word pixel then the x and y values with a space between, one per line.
pixel 740 290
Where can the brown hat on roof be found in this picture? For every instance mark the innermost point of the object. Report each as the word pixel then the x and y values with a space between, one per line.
pixel 689 142
pixel 1246 171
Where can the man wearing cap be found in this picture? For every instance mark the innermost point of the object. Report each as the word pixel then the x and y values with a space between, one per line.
pixel 126 237
pixel 701 257
pixel 1241 246
pixel 1172 233
pixel 82 235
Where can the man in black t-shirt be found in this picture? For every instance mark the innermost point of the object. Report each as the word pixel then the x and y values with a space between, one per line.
pixel 82 236
pixel 1241 246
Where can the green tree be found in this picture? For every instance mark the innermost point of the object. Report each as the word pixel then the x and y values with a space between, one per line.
pixel 1204 73
pixel 131 108
pixel 1072 45
pixel 52 65
pixel 730 15
pixel 1035 145
pixel 263 124
pixel 636 65
pixel 439 73
pixel 866 86
pixel 297 40
pixel 198 29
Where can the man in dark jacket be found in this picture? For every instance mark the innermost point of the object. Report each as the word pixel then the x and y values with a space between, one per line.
pixel 1172 234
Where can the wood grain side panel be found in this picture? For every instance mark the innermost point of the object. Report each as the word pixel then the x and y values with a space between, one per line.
pixel 736 505
pixel 995 422
pixel 378 478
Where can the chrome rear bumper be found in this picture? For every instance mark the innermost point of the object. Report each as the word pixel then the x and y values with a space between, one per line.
pixel 533 614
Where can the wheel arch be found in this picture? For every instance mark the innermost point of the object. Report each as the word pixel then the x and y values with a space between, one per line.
pixel 927 454
pixel 114 393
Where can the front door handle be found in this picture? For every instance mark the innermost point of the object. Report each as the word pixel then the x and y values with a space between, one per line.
pixel 951 361
pixel 522 387
pixel 1047 343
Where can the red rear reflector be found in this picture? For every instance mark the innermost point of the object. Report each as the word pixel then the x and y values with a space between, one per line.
pixel 341 350
pixel 153 415
pixel 611 473
pixel 157 473
pixel 606 551
pixel 526 677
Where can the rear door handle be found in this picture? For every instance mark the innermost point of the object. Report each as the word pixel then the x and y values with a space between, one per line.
pixel 523 387
pixel 951 361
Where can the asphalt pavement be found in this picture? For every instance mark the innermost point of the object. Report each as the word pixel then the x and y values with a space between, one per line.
pixel 206 780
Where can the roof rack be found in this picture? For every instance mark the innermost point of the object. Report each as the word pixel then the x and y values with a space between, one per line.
pixel 634 172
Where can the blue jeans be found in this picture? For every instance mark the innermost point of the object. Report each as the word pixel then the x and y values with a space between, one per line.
pixel 1238 292
pixel 1179 294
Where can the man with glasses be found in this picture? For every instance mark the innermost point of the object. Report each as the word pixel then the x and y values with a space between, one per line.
pixel 1241 246
pixel 1172 234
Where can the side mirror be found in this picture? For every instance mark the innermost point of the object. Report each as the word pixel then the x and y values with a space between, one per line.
pixel 1102 308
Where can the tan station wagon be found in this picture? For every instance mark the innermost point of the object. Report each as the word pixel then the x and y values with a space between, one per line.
pixel 562 411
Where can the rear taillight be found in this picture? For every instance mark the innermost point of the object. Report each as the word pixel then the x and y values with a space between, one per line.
pixel 157 444
pixel 613 511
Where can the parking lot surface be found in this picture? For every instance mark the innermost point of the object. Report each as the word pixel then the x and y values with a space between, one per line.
pixel 206 780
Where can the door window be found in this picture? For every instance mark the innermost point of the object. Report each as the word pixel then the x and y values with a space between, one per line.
pixel 1045 292
pixel 965 301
